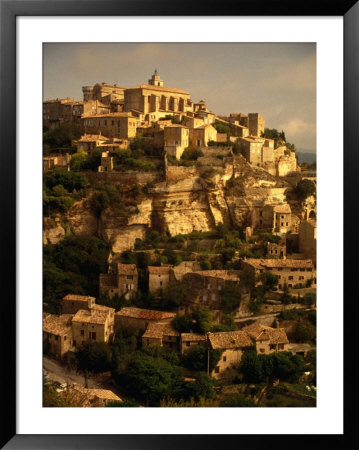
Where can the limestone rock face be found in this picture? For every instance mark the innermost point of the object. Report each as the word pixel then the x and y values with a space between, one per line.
pixel 123 238
pixel 53 231
pixel 81 219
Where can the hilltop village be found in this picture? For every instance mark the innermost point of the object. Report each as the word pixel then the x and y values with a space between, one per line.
pixel 179 254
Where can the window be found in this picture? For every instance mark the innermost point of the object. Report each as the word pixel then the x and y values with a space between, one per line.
pixel 219 287
pixel 82 332
pixel 224 358
pixel 302 270
pixel 188 344
pixel 301 277
pixel 280 269
pixel 216 369
pixel 272 347
pixel 74 344
pixel 287 223
pixel 262 350
pixel 281 346
pixel 290 285
pixel 93 335
pixel 56 338
pixel 208 286
pixel 290 277
pixel 65 338
pixel 130 277
pixel 161 283
pixel 205 298
pixel 282 224
pixel 213 297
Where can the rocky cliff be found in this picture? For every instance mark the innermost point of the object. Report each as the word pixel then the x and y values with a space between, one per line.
pixel 190 199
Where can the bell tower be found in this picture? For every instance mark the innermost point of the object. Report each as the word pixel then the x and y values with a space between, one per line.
pixel 155 80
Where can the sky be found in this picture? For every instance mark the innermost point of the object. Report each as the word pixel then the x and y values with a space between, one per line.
pixel 276 80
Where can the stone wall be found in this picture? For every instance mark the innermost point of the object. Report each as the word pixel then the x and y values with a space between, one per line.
pixel 129 177
pixel 177 173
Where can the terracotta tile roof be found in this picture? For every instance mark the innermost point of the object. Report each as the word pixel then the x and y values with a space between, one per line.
pixel 92 138
pixel 282 209
pixel 222 274
pixel 108 281
pixel 275 263
pixel 89 397
pixel 58 325
pixel 95 315
pixel 78 298
pixel 195 337
pixel 126 269
pixel 160 88
pixel 260 332
pixel 159 270
pixel 147 314
pixel 157 330
pixel 230 339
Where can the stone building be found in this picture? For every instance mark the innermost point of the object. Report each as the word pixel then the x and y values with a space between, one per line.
pixel 158 278
pixel 161 334
pixel 176 140
pixel 274 218
pixel 106 162
pixel 71 303
pixel 188 341
pixel 233 344
pixel 57 334
pixel 138 318
pixel 206 286
pixel 257 150
pixel 290 272
pixel 57 111
pixel 89 142
pixel 94 325
pixel 103 92
pixel 308 238
pixel 267 340
pixel 91 398
pixel 255 124
pixel 121 125
pixel 123 280
pixel 277 250
pixel 53 161
pixel 282 218
pixel 154 98
pixel 200 136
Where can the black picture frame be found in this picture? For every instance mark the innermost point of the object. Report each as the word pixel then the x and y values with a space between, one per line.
pixel 9 10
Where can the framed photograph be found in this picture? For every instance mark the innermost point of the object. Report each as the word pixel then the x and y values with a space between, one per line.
pixel 164 172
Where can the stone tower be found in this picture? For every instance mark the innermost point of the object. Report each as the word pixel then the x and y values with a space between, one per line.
pixel 155 80
pixel 255 124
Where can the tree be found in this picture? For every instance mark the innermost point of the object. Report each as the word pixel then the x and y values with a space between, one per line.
pixel 129 403
pixel 269 280
pixel 202 387
pixel 304 332
pixel 203 318
pixel 78 160
pixel 304 189
pixel 183 324
pixel 152 379
pixel 230 297
pixel 95 357
pixel 251 367
pixel 174 296
pixel 197 358
pixel 205 264
pixel 237 400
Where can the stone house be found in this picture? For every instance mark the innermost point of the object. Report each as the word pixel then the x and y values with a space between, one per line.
pixel 158 278
pixel 205 286
pixel 95 324
pixel 57 334
pixel 176 140
pixel 58 160
pixel 57 111
pixel 267 340
pixel 257 150
pixel 161 334
pixel 290 272
pixel 71 303
pixel 120 125
pixel 122 281
pixel 103 92
pixel 282 218
pixel 138 318
pixel 233 344
pixel 188 341
pixel 276 218
pixel 88 142
pixel 200 136
pixel 277 250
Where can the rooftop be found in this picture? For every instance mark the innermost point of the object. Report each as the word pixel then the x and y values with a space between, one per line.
pixel 108 115
pixel 282 209
pixel 58 325
pixel 222 274
pixel 230 339
pixel 87 397
pixel 157 330
pixel 97 315
pixel 261 332
pixel 159 270
pixel 192 337
pixel 159 88
pixel 126 269
pixel 147 314
pixel 108 280
pixel 78 298
pixel 92 137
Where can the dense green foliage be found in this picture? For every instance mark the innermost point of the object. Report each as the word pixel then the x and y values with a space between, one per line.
pixel 222 127
pixel 263 368
pixel 197 358
pixel 304 189
pixel 61 137
pixel 230 297
pixel 94 357
pixel 72 267
pixel 191 154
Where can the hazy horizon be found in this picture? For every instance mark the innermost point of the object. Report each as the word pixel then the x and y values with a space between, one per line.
pixel 276 80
